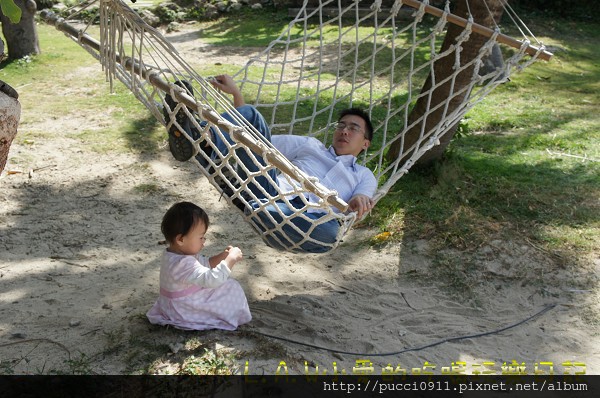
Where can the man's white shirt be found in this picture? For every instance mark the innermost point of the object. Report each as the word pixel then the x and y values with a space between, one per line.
pixel 340 173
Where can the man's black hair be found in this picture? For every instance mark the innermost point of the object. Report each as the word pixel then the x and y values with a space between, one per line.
pixel 363 115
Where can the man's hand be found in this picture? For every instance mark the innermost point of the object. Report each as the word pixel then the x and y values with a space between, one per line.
pixel 361 204
pixel 226 84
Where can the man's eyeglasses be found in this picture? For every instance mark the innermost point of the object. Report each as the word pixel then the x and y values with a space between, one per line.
pixel 352 127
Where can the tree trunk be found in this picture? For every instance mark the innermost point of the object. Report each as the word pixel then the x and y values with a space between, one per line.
pixel 10 111
pixel 443 68
pixel 21 38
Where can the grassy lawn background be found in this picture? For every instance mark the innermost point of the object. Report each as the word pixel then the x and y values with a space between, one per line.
pixel 524 167
pixel 525 163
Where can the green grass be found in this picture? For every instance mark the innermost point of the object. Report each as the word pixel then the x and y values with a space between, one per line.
pixel 507 173
pixel 528 165
pixel 507 176
pixel 518 170
pixel 56 75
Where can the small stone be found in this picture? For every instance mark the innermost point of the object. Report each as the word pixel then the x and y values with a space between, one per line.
pixel 175 347
pixel 74 322
pixel 107 307
pixel 18 335
pixel 235 6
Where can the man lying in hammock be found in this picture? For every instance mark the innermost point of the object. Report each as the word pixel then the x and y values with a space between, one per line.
pixel 335 167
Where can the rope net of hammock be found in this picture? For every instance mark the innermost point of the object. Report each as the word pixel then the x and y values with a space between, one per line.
pixel 318 66
pixel 329 60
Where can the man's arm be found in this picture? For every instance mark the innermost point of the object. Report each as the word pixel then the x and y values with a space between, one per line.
pixel 289 145
pixel 361 201
pixel 226 84
pixel 361 204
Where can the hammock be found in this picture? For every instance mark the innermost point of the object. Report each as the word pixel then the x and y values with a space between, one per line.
pixel 329 64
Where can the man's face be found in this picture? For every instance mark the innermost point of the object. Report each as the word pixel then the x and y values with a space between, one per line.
pixel 349 136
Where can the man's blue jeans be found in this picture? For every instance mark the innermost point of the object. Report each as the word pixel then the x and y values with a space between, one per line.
pixel 326 232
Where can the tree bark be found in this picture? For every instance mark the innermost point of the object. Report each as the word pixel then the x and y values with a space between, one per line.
pixel 10 111
pixel 21 38
pixel 443 68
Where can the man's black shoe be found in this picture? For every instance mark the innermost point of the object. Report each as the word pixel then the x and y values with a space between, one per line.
pixel 180 146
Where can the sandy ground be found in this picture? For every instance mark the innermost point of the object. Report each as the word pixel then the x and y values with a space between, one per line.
pixel 79 264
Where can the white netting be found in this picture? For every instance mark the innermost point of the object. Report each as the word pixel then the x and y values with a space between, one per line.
pixel 328 59
pixel 371 57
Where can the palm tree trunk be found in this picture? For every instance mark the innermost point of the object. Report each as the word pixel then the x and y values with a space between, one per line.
pixel 444 68
pixel 21 38
pixel 10 111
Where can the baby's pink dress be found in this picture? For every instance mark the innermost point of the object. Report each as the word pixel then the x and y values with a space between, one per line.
pixel 195 297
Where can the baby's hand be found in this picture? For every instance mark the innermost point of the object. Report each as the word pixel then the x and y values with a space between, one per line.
pixel 234 254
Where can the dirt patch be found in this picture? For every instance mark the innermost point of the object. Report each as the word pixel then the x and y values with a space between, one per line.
pixel 81 254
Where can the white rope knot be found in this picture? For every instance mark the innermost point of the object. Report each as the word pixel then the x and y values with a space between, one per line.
pixel 418 16
pixel 466 33
pixel 376 6
pixel 524 45
pixel 396 8
pixel 441 23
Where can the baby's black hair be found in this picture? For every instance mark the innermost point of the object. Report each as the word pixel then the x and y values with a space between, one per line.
pixel 180 218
